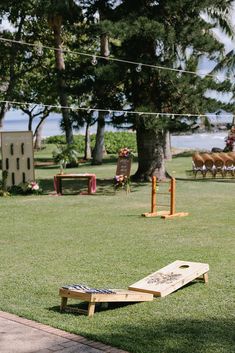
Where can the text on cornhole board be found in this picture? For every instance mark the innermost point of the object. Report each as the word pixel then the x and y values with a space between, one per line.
pixel 170 278
pixel 123 166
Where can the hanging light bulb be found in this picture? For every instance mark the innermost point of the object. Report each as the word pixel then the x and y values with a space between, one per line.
pixel 125 114
pixel 139 68
pixel 88 110
pixel 172 117
pixel 110 111
pixel 39 49
pixel 94 60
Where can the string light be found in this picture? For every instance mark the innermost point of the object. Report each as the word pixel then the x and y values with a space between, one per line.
pixel 139 68
pixel 146 114
pixel 94 60
pixel 39 49
pixel 95 57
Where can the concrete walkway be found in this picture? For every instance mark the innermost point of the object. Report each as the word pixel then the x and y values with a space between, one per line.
pixel 19 335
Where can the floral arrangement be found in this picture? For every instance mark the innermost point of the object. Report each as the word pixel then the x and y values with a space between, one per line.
pixel 33 187
pixel 122 182
pixel 230 140
pixel 30 187
pixel 124 153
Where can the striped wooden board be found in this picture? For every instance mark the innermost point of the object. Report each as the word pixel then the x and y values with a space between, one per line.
pixel 170 278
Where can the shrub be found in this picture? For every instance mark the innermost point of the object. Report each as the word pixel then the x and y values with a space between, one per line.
pixel 114 141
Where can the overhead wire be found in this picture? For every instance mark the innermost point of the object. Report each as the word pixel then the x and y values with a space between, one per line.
pixel 118 111
pixel 109 58
pixel 138 69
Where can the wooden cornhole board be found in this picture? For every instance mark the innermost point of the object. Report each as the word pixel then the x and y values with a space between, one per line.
pixel 120 295
pixel 170 278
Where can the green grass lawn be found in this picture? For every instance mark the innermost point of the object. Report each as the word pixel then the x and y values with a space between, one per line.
pixel 103 241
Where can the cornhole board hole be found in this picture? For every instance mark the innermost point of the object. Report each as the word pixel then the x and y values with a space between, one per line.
pixel 172 277
pixel 119 295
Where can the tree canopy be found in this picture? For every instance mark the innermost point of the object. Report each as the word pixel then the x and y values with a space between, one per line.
pixel 163 34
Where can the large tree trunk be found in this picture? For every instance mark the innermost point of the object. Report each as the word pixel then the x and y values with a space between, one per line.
pixel 38 135
pixel 3 110
pixel 99 142
pixel 56 22
pixel 87 151
pixel 167 145
pixel 150 145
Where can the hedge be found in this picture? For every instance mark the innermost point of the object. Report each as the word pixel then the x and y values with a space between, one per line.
pixel 113 141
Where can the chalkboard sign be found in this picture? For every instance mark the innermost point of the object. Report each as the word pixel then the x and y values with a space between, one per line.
pixel 123 166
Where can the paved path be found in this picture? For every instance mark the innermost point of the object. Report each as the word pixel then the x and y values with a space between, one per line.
pixel 19 335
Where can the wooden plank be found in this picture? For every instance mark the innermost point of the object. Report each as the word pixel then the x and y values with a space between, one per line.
pixel 178 214
pixel 120 295
pixel 171 278
pixel 63 303
pixel 91 309
pixel 156 214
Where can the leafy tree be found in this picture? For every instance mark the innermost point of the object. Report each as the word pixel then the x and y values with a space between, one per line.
pixel 172 35
pixel 19 15
pixel 60 13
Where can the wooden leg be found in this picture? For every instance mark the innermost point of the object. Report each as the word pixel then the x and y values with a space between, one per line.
pixel 63 303
pixel 91 309
pixel 89 186
pixel 205 277
pixel 60 185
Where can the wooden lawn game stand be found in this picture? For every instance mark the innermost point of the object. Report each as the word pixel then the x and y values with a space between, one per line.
pixel 17 157
pixel 120 295
pixel 171 213
pixel 159 284
pixel 170 278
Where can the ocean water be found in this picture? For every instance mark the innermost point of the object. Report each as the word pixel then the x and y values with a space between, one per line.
pixel 205 141
pixel 15 121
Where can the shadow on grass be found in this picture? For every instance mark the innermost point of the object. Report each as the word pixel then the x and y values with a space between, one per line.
pixel 75 187
pixel 173 336
pixel 73 309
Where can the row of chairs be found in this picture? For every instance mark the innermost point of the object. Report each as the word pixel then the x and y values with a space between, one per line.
pixel 222 163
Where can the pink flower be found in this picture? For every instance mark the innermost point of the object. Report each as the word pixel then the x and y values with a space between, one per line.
pixel 33 186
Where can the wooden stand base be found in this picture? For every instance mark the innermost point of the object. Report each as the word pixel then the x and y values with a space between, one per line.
pixel 120 295
pixel 179 214
pixel 165 214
